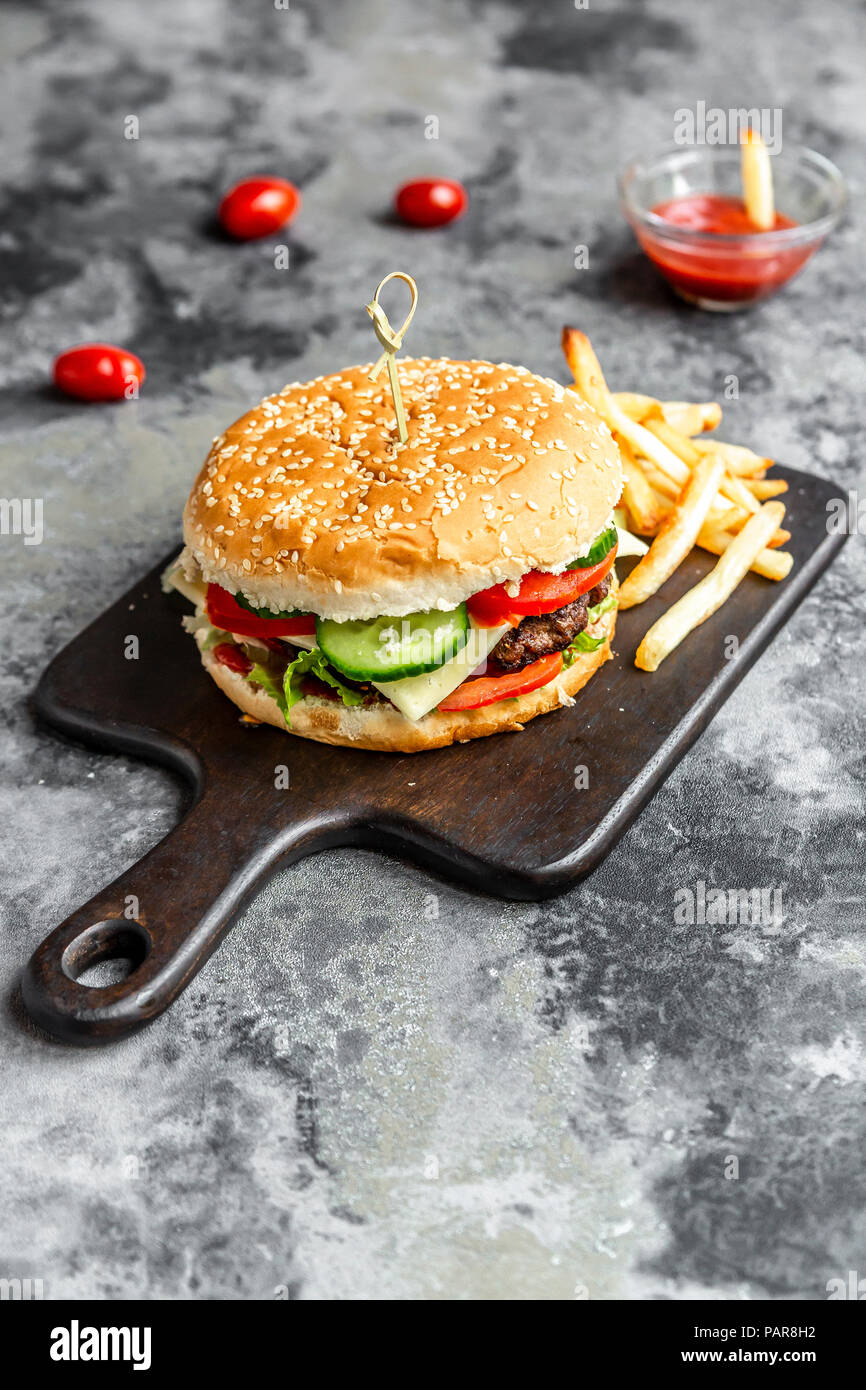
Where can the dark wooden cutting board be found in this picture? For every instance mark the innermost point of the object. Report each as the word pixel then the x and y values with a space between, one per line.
pixel 508 815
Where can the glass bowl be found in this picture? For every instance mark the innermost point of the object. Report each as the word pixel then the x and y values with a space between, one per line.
pixel 719 271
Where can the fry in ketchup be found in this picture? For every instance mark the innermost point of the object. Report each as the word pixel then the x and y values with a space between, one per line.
pixel 743 267
pixel 756 174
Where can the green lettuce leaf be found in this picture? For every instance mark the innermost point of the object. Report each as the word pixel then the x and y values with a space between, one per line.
pixel 593 614
pixel 259 675
pixel 288 694
pixel 583 642
pixel 313 663
pixel 212 636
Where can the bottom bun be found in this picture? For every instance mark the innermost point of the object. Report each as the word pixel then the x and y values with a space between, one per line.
pixel 382 728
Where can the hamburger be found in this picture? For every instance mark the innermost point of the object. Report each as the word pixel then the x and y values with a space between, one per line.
pixel 357 590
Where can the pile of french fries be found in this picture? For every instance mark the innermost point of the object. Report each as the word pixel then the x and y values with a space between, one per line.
pixel 683 489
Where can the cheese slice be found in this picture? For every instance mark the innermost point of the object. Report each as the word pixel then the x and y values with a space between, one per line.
pixel 627 544
pixel 193 589
pixel 415 696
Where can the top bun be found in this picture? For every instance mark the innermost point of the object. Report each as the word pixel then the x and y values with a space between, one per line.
pixel 310 501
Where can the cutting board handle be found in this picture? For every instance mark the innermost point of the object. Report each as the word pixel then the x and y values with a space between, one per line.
pixel 166 915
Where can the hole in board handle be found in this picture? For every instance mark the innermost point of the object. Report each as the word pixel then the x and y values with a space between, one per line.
pixel 106 953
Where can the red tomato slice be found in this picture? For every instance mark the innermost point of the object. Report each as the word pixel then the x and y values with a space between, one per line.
pixel 486 690
pixel 430 202
pixel 99 372
pixel 227 654
pixel 225 612
pixel 257 207
pixel 538 593
pixel 487 608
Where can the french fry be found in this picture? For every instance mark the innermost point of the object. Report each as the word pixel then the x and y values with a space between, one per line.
pixel 676 442
pixel 639 498
pixel 692 417
pixel 590 382
pixel 677 534
pixel 763 489
pixel 757 178
pixel 736 491
pixel 738 460
pixel 729 515
pixel 710 592
pixel 642 441
pixel 730 486
pixel 734 519
pixel 772 564
pixel 687 490
pixel 660 482
pixel 687 417
pixel 636 407
pixel 729 521
pixel 736 523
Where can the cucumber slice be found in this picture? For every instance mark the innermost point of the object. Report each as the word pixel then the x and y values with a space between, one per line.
pixel 600 547
pixel 388 649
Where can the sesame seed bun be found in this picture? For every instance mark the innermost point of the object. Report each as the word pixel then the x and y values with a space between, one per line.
pixel 382 728
pixel 309 501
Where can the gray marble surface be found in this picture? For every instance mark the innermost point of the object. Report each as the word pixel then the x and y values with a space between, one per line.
pixel 362 1094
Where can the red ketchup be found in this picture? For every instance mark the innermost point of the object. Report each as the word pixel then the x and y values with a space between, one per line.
pixel 227 654
pixel 736 271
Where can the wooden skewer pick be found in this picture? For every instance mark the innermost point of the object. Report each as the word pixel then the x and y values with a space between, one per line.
pixel 391 343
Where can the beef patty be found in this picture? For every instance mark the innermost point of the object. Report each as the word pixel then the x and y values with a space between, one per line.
pixel 547 633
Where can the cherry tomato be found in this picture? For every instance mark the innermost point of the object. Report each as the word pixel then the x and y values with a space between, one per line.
pixel 486 690
pixel 226 613
pixel 538 593
pixel 431 202
pixel 257 207
pixel 98 372
pixel 227 654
